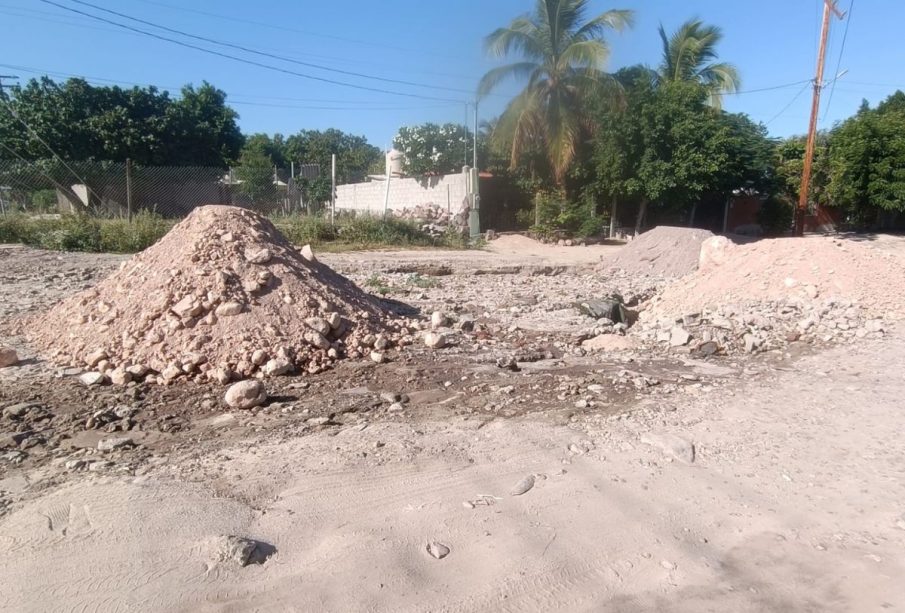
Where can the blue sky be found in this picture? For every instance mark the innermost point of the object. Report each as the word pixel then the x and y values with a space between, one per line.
pixel 772 42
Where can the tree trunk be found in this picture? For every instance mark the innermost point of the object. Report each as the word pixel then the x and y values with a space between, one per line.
pixel 613 210
pixel 642 211
pixel 694 209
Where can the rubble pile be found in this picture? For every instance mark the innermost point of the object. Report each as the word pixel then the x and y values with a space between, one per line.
pixel 764 295
pixel 436 220
pixel 665 251
pixel 223 296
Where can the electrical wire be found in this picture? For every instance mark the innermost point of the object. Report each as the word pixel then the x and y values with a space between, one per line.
pixel 370 104
pixel 848 21
pixel 767 89
pixel 252 62
pixel 786 107
pixel 266 54
pixel 297 31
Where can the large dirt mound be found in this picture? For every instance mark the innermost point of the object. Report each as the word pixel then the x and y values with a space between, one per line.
pixel 665 251
pixel 223 295
pixel 789 270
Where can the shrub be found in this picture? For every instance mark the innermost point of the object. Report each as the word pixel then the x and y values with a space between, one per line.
pixel 123 236
pixel 556 215
pixel 776 215
pixel 305 229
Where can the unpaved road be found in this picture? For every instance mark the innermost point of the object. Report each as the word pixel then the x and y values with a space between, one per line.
pixel 795 500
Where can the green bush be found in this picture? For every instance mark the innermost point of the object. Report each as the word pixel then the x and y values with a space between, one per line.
pixel 83 233
pixel 776 215
pixel 305 229
pixel 123 236
pixel 556 216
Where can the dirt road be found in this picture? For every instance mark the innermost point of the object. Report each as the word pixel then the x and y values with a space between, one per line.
pixel 793 500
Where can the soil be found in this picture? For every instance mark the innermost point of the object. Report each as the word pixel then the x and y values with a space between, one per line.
pixel 655 481
pixel 664 251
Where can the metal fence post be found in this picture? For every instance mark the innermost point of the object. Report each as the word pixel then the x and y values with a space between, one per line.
pixel 333 190
pixel 129 188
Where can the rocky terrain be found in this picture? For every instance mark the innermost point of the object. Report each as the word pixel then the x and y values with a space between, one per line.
pixel 552 438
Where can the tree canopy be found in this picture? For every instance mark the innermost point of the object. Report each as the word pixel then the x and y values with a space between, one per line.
pixel 80 121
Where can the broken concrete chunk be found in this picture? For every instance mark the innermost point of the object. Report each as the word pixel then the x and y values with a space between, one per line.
pixel 671 444
pixel 679 337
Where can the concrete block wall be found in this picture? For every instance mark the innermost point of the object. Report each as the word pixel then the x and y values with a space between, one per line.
pixel 404 194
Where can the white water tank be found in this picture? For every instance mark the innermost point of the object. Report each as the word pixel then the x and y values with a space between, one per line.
pixel 394 161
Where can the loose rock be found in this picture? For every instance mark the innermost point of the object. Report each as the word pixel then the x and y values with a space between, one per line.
pixel 245 395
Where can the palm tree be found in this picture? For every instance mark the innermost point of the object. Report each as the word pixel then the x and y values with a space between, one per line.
pixel 562 59
pixel 690 55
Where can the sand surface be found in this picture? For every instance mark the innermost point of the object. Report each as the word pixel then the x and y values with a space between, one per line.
pixel 792 504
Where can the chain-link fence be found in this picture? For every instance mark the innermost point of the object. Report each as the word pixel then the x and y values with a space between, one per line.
pixel 108 189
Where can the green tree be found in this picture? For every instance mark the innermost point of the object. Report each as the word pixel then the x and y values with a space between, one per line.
pixel 430 148
pixel 690 55
pixel 867 160
pixel 83 122
pixel 562 59
pixel 354 157
pixel 668 149
pixel 255 171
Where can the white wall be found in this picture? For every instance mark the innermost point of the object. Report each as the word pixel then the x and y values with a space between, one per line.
pixel 404 193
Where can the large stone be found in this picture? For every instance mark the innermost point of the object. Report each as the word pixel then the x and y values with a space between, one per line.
pixel 114 443
pixel 95 357
pixel 435 340
pixel 317 339
pixel 8 357
pixel 679 337
pixel 242 551
pixel 671 444
pixel 439 319
pixel 610 342
pixel 321 326
pixel 245 395
pixel 92 378
pixel 120 376
pixel 229 309
pixel 261 256
pixel 308 254
pixel 714 252
pixel 277 367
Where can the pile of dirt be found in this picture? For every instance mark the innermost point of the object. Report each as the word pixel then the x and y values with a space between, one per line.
pixel 222 296
pixel 665 251
pixel 807 271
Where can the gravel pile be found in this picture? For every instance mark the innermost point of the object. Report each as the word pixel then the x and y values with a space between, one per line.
pixel 223 296
pixel 665 251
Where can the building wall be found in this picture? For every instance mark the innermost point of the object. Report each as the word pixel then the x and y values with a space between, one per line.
pixel 404 193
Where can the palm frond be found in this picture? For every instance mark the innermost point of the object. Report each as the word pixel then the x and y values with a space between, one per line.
pixel 616 20
pixel 495 76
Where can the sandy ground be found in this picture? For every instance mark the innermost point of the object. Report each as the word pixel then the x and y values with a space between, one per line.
pixel 794 502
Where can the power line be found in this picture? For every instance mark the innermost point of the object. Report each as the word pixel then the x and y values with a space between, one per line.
pixel 266 54
pixel 786 107
pixel 91 79
pixel 297 31
pixel 767 89
pixel 251 62
pixel 848 21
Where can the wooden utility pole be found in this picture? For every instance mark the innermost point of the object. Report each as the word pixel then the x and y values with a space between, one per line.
pixel 828 7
